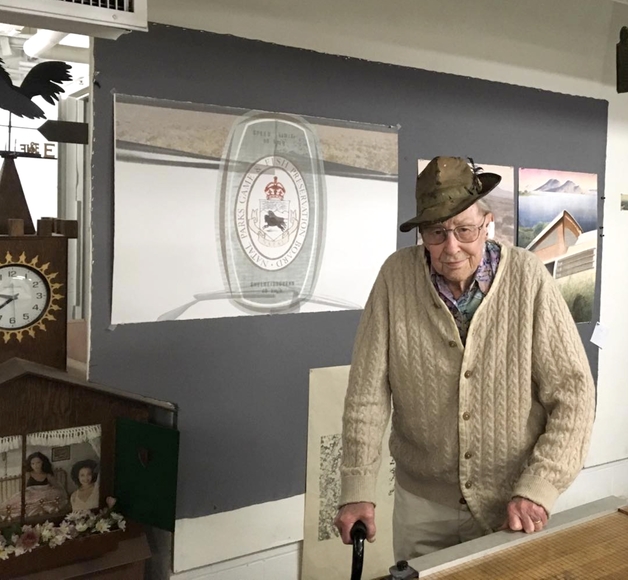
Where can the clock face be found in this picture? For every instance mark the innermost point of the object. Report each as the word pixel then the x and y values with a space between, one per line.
pixel 24 296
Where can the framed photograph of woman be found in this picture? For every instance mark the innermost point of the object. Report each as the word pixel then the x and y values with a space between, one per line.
pixel 84 474
pixel 45 493
pixel 57 483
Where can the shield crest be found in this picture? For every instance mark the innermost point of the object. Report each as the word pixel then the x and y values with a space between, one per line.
pixel 271 212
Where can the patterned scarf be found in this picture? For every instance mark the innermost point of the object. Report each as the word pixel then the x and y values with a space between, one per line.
pixel 464 308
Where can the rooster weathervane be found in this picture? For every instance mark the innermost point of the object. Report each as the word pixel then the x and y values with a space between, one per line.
pixel 43 80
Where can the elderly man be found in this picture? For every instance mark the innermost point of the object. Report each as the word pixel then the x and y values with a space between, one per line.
pixel 473 346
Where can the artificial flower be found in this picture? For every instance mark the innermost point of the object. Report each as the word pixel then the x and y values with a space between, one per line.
pixel 74 525
pixel 29 538
pixel 102 526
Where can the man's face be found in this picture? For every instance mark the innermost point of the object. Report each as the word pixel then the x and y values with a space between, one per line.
pixel 454 260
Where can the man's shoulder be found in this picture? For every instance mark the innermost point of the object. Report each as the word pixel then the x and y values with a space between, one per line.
pixel 526 262
pixel 403 257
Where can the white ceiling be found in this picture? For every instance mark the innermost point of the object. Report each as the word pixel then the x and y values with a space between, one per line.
pixel 18 64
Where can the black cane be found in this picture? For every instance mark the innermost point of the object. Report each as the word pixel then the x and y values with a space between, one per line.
pixel 358 535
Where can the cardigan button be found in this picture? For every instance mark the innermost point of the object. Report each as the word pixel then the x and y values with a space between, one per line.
pixel 468 455
pixel 462 501
pixel 468 485
pixel 466 416
pixel 467 374
pixel 453 343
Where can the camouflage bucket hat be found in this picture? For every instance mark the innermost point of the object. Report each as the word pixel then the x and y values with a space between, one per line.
pixel 446 187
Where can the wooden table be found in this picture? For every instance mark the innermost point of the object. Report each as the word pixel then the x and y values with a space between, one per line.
pixel 589 542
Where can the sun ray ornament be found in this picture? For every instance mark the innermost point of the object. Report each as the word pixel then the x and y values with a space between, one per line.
pixel 37 284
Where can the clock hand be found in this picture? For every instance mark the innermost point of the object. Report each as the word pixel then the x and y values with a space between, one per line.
pixel 8 299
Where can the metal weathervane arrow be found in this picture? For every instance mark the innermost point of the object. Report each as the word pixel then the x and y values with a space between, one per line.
pixel 65 132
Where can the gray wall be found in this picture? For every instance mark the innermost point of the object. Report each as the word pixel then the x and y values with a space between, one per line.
pixel 243 423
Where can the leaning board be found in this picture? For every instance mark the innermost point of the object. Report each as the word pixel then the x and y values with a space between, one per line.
pixel 585 543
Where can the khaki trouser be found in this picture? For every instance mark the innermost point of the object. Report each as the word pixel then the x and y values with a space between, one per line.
pixel 421 526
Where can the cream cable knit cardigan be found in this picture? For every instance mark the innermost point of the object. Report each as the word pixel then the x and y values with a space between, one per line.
pixel 509 415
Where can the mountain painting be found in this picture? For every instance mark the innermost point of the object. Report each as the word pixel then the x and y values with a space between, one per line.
pixel 558 223
pixel 501 201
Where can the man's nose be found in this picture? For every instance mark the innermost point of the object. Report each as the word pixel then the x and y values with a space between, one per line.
pixel 451 243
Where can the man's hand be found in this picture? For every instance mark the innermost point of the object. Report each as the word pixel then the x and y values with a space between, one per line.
pixel 525 515
pixel 352 512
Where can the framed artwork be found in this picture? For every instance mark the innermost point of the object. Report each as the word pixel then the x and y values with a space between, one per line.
pixel 558 223
pixel 61 453
pixel 59 473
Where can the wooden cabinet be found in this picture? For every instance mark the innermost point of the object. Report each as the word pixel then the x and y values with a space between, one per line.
pixel 126 562
pixel 67 423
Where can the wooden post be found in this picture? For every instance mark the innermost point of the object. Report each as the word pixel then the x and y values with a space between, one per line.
pixel 67 228
pixel 45 226
pixel 16 227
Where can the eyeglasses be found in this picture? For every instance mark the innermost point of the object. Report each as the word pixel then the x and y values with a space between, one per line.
pixel 464 234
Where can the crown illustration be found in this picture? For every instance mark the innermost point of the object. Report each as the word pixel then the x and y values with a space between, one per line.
pixel 275 190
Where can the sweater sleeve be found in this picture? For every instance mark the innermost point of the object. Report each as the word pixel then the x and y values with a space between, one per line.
pixel 566 390
pixel 368 400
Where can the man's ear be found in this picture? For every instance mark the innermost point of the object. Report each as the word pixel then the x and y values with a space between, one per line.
pixel 490 225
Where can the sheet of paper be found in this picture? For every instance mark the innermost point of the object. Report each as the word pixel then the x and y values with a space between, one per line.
pixel 600 335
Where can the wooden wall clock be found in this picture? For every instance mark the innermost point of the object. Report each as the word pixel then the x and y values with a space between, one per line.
pixel 33 296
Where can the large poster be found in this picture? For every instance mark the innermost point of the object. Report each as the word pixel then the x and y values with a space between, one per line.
pixel 558 223
pixel 324 554
pixel 226 212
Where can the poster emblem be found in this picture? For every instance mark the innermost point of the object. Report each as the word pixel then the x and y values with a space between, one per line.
pixel 272 213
